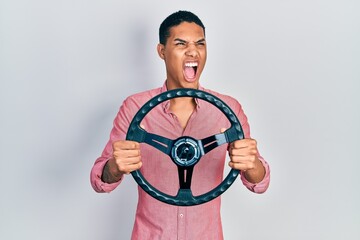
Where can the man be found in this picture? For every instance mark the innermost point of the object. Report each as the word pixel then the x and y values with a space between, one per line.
pixel 183 48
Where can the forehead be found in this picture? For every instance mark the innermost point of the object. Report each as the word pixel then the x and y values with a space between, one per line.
pixel 187 31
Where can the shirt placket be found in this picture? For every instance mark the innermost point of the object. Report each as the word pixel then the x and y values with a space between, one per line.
pixel 181 226
pixel 181 211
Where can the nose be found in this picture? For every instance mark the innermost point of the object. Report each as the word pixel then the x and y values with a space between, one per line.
pixel 191 50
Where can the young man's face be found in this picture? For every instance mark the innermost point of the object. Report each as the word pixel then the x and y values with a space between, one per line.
pixel 185 55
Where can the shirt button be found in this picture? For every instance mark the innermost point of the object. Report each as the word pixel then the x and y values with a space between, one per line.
pixel 181 215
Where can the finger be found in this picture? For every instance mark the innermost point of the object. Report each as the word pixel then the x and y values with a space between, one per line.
pixel 242 165
pixel 127 169
pixel 125 162
pixel 244 143
pixel 222 130
pixel 243 159
pixel 120 153
pixel 126 145
pixel 246 151
pixel 130 161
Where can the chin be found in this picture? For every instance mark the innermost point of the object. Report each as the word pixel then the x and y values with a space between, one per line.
pixel 191 84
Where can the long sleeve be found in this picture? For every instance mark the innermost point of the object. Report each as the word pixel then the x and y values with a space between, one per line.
pixel 118 132
pixel 262 186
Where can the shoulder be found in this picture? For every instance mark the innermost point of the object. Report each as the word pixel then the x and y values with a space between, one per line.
pixel 140 98
pixel 134 102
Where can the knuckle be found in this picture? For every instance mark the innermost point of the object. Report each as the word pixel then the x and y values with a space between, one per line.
pixel 231 152
pixel 117 144
pixel 116 155
pixel 237 144
pixel 236 152
pixel 234 159
pixel 136 145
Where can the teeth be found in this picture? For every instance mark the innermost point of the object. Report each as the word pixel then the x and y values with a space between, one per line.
pixel 191 64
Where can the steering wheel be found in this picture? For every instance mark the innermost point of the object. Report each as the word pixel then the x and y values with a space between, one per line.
pixel 185 151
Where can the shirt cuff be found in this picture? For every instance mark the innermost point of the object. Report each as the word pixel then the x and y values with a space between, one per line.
pixel 97 183
pixel 263 185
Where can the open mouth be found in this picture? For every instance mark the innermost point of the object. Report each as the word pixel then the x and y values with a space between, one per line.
pixel 190 70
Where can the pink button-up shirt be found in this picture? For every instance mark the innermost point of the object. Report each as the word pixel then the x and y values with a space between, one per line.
pixel 155 219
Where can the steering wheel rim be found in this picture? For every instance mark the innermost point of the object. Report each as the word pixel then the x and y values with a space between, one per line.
pixel 184 196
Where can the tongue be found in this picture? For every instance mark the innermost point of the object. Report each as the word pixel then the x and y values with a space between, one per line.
pixel 189 72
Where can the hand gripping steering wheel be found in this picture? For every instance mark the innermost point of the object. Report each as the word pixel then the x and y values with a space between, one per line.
pixel 185 151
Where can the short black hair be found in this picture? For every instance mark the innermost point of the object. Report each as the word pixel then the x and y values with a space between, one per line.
pixel 176 19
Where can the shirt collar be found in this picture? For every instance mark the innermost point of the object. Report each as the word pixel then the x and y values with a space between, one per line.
pixel 166 104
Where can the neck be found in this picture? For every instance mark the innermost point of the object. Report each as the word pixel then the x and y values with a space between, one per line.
pixel 182 107
pixel 183 102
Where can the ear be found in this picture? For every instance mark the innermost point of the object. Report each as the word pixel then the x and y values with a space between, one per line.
pixel 161 50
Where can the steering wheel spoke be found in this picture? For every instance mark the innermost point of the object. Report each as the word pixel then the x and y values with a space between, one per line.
pixel 185 176
pixel 159 142
pixel 186 196
pixel 212 142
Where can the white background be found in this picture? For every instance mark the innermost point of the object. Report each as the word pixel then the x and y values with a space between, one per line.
pixel 66 66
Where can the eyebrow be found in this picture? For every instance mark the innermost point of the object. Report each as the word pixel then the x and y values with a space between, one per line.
pixel 183 41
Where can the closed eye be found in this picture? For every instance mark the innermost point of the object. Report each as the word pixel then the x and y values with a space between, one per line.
pixel 201 42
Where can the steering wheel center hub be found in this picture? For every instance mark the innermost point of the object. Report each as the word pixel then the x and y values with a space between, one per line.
pixel 185 152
